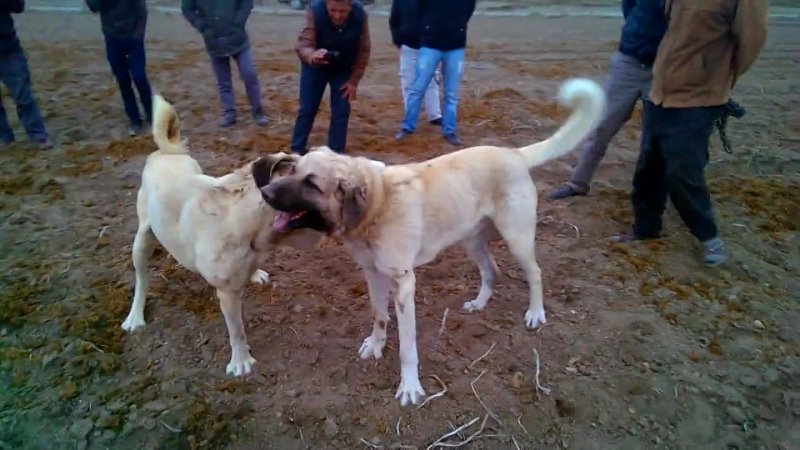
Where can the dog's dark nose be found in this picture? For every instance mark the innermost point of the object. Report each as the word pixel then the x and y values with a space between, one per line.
pixel 268 193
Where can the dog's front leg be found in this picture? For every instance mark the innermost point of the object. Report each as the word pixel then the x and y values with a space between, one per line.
pixel 410 390
pixel 231 304
pixel 380 292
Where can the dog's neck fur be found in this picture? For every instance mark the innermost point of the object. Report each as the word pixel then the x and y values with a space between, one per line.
pixel 372 183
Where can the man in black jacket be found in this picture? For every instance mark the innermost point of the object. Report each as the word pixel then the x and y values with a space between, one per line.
pixel 628 81
pixel 404 24
pixel 123 23
pixel 14 73
pixel 222 24
pixel 443 37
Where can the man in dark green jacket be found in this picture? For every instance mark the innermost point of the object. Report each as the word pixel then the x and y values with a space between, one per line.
pixel 15 75
pixel 123 23
pixel 222 24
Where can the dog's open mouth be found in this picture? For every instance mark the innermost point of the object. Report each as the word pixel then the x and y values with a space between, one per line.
pixel 294 220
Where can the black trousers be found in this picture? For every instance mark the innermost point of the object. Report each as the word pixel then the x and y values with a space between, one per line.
pixel 673 157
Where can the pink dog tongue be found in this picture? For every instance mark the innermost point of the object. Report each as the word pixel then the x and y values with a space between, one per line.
pixel 281 220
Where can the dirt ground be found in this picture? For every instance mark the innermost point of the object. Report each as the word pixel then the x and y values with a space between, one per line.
pixel 643 348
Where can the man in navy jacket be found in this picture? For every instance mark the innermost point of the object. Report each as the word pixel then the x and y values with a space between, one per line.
pixel 443 38
pixel 628 81
pixel 14 73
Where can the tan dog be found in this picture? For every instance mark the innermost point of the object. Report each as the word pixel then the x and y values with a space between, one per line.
pixel 217 227
pixel 396 218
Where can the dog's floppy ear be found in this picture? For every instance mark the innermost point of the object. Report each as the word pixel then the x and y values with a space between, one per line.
pixel 267 167
pixel 354 199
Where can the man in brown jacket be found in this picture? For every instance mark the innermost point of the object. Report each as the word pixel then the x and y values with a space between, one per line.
pixel 708 46
pixel 334 48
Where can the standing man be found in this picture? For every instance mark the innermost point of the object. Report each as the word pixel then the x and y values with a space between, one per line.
pixel 404 23
pixel 222 24
pixel 706 50
pixel 443 38
pixel 15 75
pixel 629 79
pixel 334 48
pixel 123 23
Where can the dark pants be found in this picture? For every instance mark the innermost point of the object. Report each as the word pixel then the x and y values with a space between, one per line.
pixel 127 60
pixel 312 85
pixel 16 77
pixel 674 153
pixel 247 71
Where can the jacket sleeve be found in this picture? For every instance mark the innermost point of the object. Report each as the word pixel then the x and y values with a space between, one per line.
pixel 307 39
pixel 245 7
pixel 15 6
pixel 362 57
pixel 749 34
pixel 189 10
pixel 471 9
pixel 627 6
pixel 94 5
pixel 394 22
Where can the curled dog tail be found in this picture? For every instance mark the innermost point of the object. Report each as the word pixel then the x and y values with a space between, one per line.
pixel 167 127
pixel 587 100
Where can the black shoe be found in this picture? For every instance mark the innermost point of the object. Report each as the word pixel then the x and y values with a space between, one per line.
pixel 453 140
pixel 436 122
pixel 260 119
pixel 401 135
pixel 569 190
pixel 134 128
pixel 227 121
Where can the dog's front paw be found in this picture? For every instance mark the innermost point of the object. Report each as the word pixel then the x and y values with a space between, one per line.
pixel 260 277
pixel 534 318
pixel 240 365
pixel 372 347
pixel 133 322
pixel 474 305
pixel 410 391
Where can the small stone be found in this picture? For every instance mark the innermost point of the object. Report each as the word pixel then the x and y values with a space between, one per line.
pixel 297 309
pixel 737 414
pixel 294 393
pixel 116 406
pixel 632 410
pixel 81 428
pixel 81 444
pixel 148 423
pixel 759 324
pixel 329 428
pixel 517 380
pixel 108 421
pixel 644 367
pixel 155 405
pixel 108 435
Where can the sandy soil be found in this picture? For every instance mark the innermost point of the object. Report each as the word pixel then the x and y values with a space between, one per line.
pixel 644 347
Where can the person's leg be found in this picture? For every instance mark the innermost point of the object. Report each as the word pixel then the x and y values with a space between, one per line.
pixel 427 61
pixel 340 113
pixel 649 194
pixel 249 75
pixel 452 67
pixel 6 132
pixel 117 55
pixel 17 77
pixel 685 146
pixel 626 82
pixel 312 86
pixel 222 72
pixel 138 65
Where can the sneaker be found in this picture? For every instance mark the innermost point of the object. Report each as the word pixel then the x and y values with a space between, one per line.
pixel 227 121
pixel 45 144
pixel 260 119
pixel 436 122
pixel 714 252
pixel 569 190
pixel 453 140
pixel 134 128
pixel 401 135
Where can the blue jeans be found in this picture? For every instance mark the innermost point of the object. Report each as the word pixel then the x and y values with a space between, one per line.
pixel 452 66
pixel 16 76
pixel 312 85
pixel 127 60
pixel 249 75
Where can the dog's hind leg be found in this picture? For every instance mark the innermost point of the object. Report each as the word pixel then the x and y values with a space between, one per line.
pixel 231 304
pixel 517 225
pixel 477 249
pixel 380 293
pixel 142 249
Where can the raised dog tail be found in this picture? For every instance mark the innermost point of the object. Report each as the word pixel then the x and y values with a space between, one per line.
pixel 167 127
pixel 587 100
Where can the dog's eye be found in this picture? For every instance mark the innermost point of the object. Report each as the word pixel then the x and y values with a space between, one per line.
pixel 310 181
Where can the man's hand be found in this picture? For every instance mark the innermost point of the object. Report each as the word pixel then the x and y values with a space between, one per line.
pixel 318 57
pixel 349 91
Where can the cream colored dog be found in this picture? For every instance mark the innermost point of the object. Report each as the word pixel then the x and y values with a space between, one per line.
pixel 217 227
pixel 397 218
